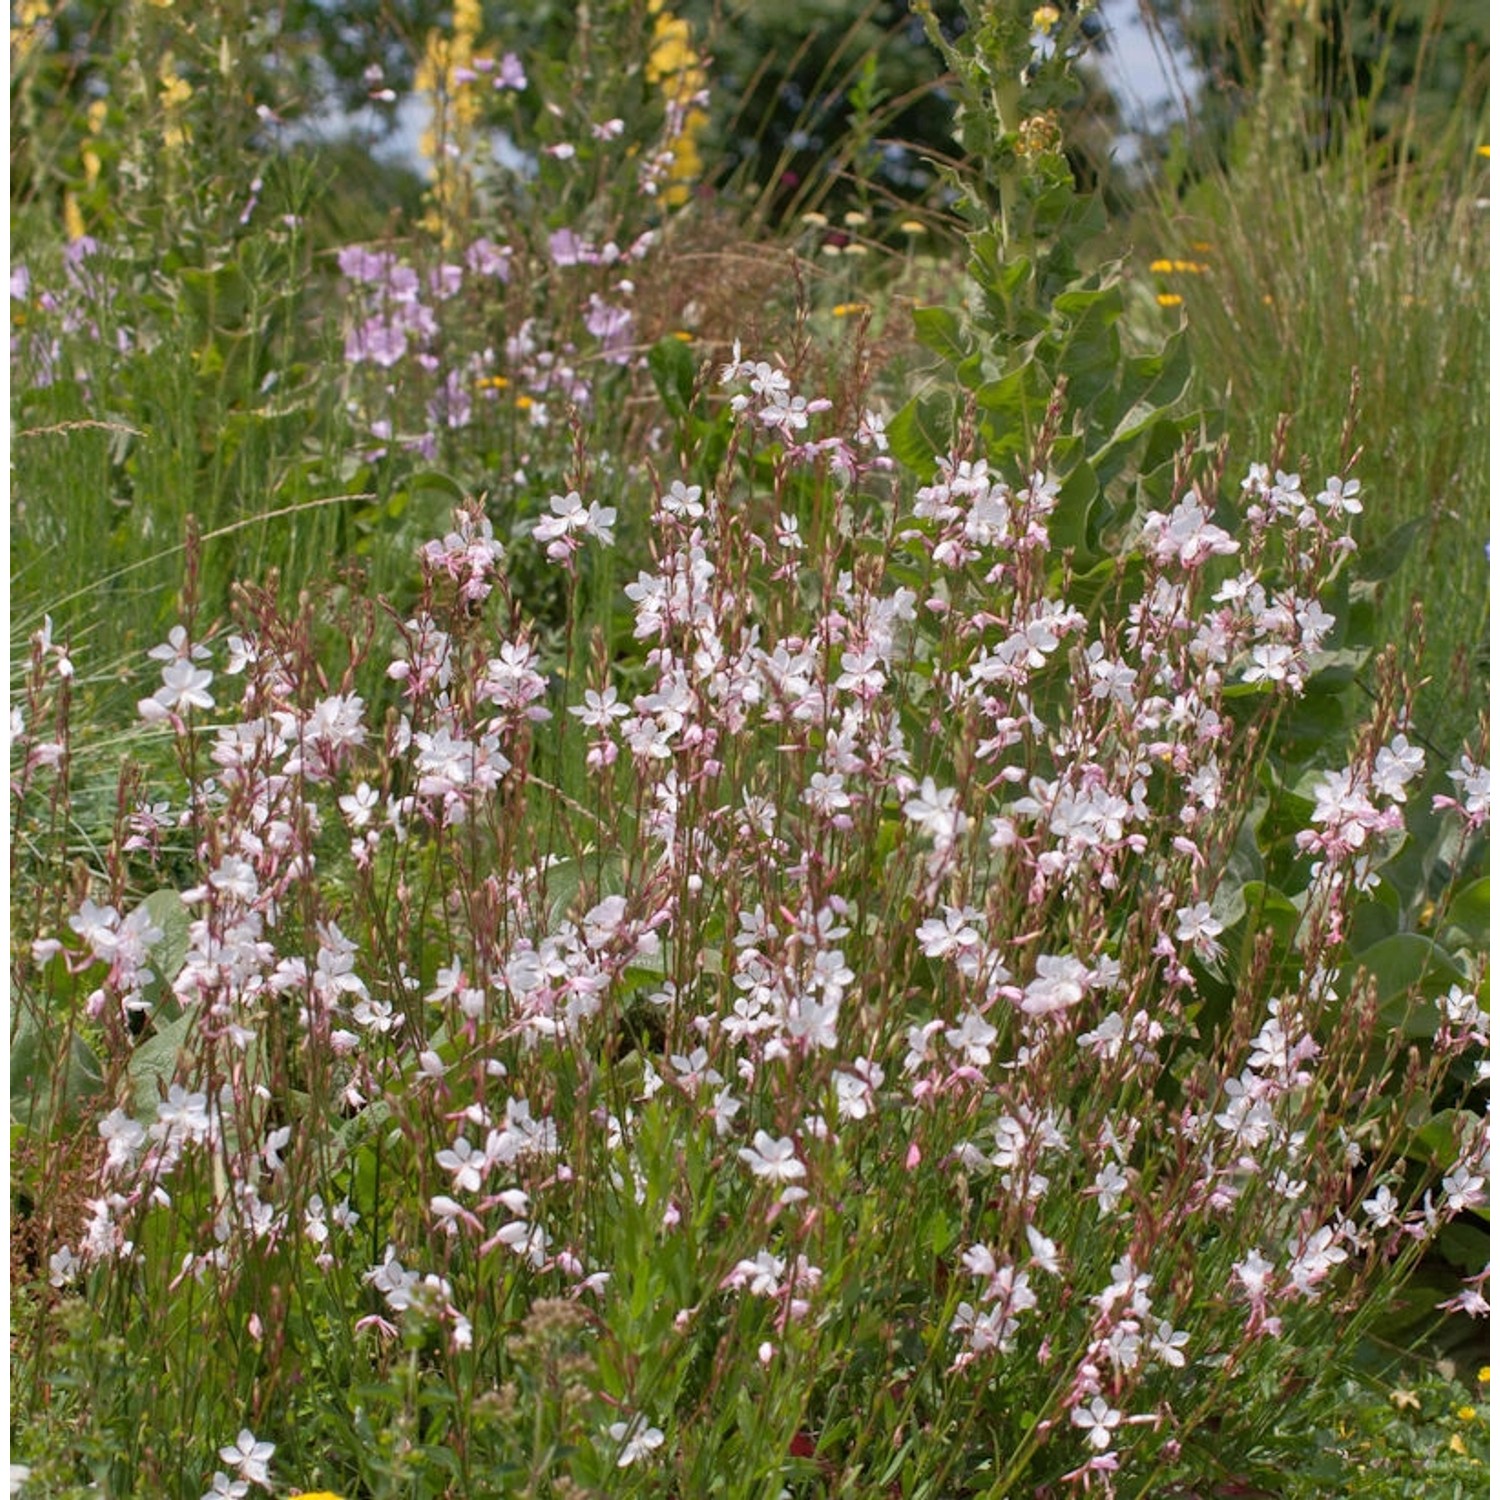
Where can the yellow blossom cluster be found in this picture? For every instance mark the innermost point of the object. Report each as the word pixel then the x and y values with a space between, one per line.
pixel 1168 266
pixel 675 67
pixel 446 74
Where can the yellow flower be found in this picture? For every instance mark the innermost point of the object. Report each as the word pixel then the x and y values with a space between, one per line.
pixel 1456 1444
pixel 912 226
pixel 682 336
pixel 315 1495
pixel 1402 1400
pixel 72 218
pixel 524 403
pixel 1045 17
pixel 1161 267
pixel 1466 1414
pixel 847 309
pixel 491 383
pixel 1168 299
pixel 1484 151
pixel 1484 1374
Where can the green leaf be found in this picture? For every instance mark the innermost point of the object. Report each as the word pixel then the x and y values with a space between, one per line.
pixel 1469 912
pixel 1069 526
pixel 920 431
pixel 167 912
pixel 941 330
pixel 154 1063
pixel 50 1080
pixel 675 372
pixel 1406 968
pixel 1376 563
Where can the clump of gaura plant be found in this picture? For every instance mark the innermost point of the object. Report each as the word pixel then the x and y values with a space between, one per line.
pixel 877 1022
pixel 923 989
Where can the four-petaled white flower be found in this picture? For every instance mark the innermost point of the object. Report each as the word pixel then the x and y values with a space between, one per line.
pixel 251 1457
pixel 637 1440
pixel 1098 1420
pixel 775 1160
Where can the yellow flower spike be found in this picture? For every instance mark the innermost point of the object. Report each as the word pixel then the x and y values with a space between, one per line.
pixel 72 218
pixel 175 91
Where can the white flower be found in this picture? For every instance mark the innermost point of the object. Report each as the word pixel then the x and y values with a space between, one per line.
pixel 638 1440
pixel 1098 1419
pixel 773 1159
pixel 1340 496
pixel 250 1457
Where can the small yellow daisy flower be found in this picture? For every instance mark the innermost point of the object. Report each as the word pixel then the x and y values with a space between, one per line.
pixel 847 309
pixel 1484 1374
pixel 1168 299
pixel 1466 1414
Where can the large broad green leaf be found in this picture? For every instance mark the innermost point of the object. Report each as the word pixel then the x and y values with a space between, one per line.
pixel 1469 912
pixel 1409 972
pixel 52 1075
pixel 154 1063
pixel 675 372
pixel 167 913
pixel 1069 525
pixel 1244 868
pixel 920 431
pixel 1377 563
pixel 941 330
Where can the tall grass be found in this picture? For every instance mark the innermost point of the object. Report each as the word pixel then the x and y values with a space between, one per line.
pixel 1331 250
